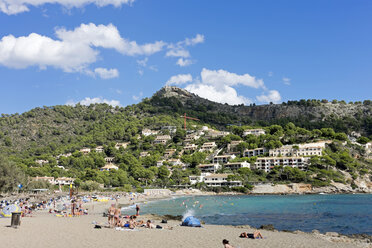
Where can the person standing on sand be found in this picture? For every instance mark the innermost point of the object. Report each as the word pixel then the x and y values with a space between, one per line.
pixel 111 214
pixel 73 206
pixel 137 210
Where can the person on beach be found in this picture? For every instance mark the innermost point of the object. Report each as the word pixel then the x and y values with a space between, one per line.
pixel 226 244
pixel 137 210
pixel 117 216
pixel 150 225
pixel 73 206
pixel 255 235
pixel 111 213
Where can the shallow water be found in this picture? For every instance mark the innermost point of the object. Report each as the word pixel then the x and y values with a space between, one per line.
pixel 347 214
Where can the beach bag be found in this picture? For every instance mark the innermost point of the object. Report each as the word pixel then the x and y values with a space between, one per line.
pixel 164 221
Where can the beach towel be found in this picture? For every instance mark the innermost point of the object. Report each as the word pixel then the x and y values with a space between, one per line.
pixel 125 229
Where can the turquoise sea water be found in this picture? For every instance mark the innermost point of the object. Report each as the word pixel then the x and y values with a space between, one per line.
pixel 347 214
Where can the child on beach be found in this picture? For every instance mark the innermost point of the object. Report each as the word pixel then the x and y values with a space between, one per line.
pixel 226 244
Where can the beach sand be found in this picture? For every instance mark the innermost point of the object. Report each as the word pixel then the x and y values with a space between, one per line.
pixel 47 230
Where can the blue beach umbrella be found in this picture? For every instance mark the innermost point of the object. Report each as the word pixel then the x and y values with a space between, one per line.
pixel 7 211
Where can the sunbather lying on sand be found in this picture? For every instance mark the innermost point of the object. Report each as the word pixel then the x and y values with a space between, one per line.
pixel 255 235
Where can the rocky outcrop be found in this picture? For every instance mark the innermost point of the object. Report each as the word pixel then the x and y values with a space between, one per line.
pixel 301 188
pixel 313 111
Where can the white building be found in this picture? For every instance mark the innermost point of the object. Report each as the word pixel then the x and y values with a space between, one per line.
pixel 218 180
pixel 256 132
pixel 175 162
pixel 190 147
pixel 85 151
pixel 148 132
pixel 169 153
pixel 214 134
pixel 268 163
pixel 99 149
pixel 209 167
pixel 208 146
pixel 307 149
pixel 64 180
pixel 109 167
pixel 222 159
pixel 144 154
pixel 41 161
pixel 109 159
pixel 198 179
pixel 237 165
pixel 159 163
pixel 47 179
pixel 172 129
pixel 162 139
pixel 124 145
pixel 255 152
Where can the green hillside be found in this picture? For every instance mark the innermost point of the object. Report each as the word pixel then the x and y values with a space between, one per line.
pixel 44 133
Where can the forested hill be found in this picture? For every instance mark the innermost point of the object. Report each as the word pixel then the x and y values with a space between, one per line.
pixel 60 128
pixel 310 114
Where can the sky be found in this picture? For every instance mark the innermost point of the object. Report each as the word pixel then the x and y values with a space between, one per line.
pixel 56 52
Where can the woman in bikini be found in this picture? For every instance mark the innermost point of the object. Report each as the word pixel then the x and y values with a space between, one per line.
pixel 255 235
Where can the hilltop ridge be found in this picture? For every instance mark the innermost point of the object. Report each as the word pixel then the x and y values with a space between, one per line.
pixel 307 113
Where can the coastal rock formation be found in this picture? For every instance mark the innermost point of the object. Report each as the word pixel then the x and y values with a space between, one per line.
pixel 304 110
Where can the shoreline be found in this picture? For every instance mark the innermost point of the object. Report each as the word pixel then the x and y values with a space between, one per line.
pixel 79 232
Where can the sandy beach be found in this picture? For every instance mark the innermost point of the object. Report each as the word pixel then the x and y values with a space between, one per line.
pixel 47 230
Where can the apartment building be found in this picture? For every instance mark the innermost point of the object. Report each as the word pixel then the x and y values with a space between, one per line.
pixel 208 146
pixel 267 163
pixel 237 165
pixel 162 139
pixel 256 132
pixel 209 167
pixel 222 159
pixel 218 180
pixel 255 152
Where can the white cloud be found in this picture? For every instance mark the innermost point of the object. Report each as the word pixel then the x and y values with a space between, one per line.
pixel 179 79
pixel 88 101
pixel 272 96
pixel 226 95
pixel 221 78
pixel 106 73
pixel 179 50
pixel 12 7
pixel 136 98
pixel 142 62
pixel 218 86
pixel 199 38
pixel 178 53
pixel 184 62
pixel 43 51
pixel 287 81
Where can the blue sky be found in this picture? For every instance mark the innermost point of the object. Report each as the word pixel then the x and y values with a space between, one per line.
pixel 120 51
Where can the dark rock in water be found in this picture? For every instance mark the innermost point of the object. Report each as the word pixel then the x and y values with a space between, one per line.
pixel 365 237
pixel 315 231
pixel 269 227
pixel 332 234
pixel 173 217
